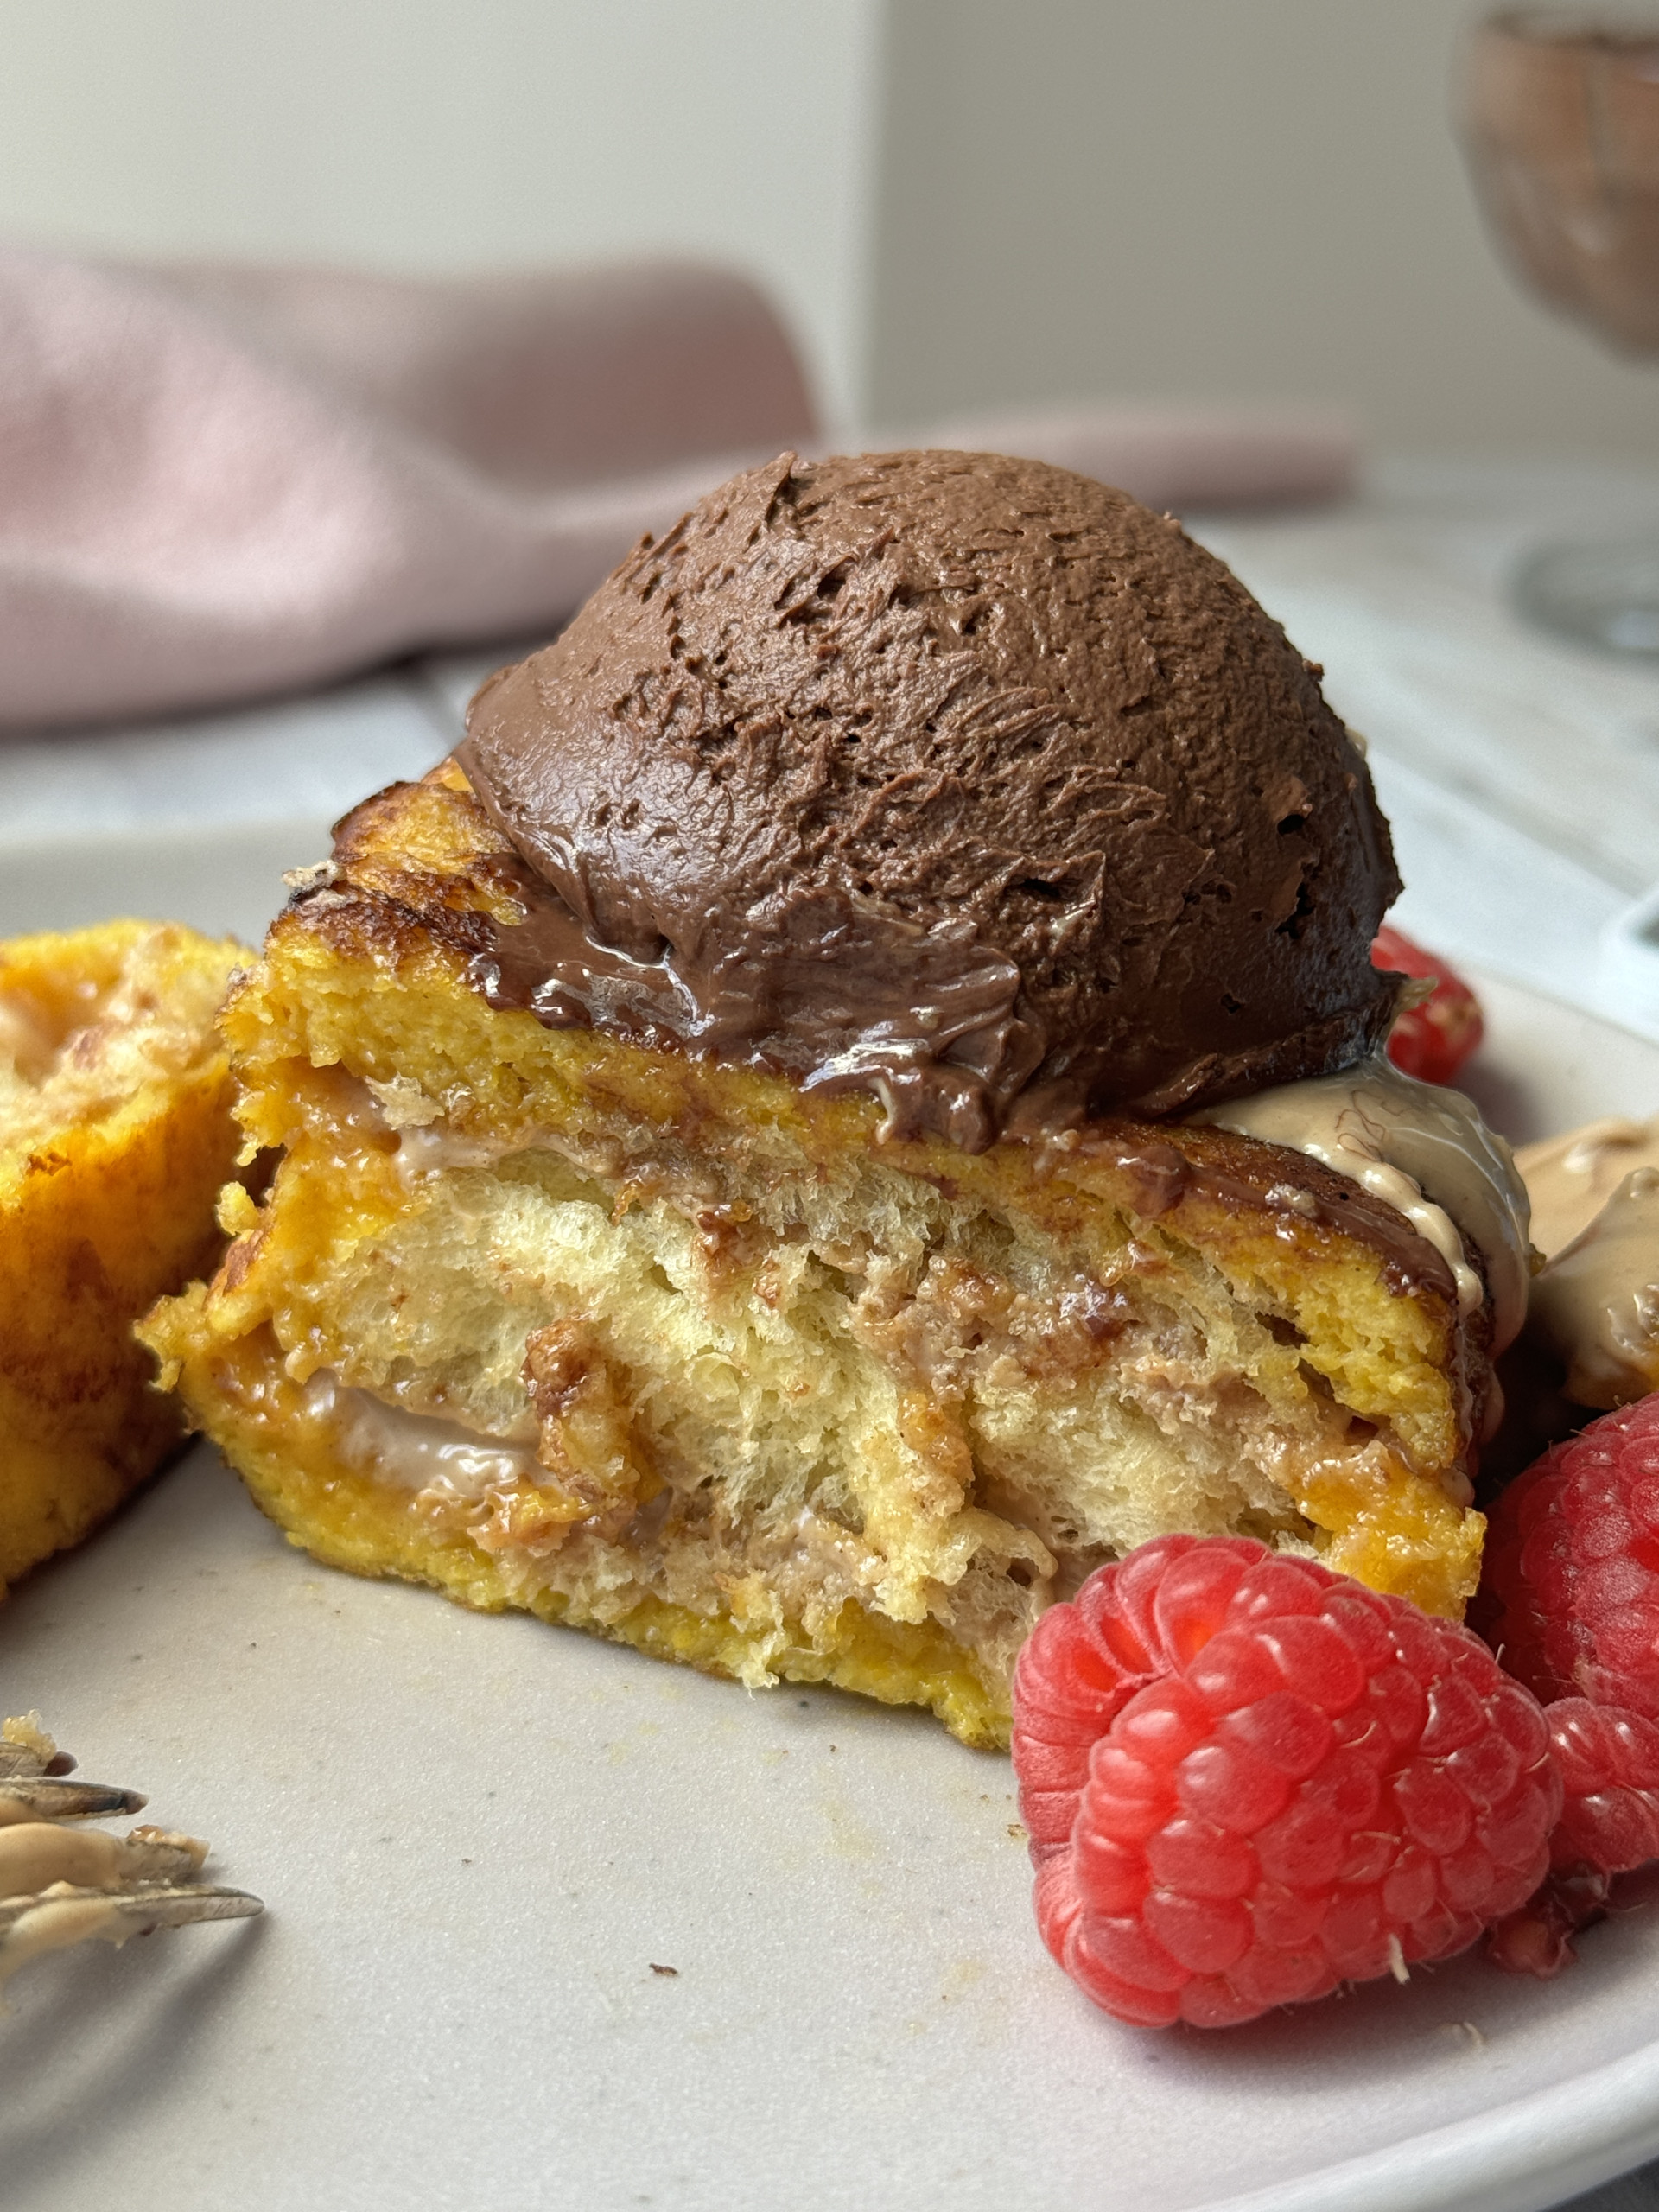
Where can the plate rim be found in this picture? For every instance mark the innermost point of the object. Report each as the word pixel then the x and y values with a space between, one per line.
pixel 1550 2147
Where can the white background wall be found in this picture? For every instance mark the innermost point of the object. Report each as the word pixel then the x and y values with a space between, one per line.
pixel 440 134
pixel 958 201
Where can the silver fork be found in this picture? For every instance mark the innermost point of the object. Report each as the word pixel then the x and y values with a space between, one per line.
pixel 62 1884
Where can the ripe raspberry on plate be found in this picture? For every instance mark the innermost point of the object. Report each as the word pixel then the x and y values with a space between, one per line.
pixel 1433 1039
pixel 1569 1594
pixel 1246 1779
pixel 1569 1600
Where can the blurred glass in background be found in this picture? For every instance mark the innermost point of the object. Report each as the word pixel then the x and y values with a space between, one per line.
pixel 1561 122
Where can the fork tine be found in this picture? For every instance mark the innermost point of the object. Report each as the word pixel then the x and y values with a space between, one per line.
pixel 63 1915
pixel 44 1797
pixel 151 1904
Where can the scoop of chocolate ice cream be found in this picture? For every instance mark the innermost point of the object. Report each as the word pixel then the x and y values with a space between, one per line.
pixel 961 779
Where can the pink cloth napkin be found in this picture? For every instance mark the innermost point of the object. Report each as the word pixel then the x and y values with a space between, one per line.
pixel 220 482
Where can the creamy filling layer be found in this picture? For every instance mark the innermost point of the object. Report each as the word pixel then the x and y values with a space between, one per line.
pixel 801 1565
pixel 414 1451
pixel 804 1565
pixel 811 1558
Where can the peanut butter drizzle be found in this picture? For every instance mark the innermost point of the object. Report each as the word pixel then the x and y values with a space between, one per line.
pixel 1596 1305
pixel 1570 1177
pixel 1421 1149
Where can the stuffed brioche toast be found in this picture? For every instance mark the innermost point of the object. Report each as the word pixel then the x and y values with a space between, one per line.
pixel 754 1176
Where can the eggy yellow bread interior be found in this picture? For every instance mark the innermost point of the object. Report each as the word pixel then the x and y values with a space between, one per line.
pixel 675 1349
pixel 115 1137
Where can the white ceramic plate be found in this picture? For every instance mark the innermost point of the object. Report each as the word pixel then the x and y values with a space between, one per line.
pixel 482 1840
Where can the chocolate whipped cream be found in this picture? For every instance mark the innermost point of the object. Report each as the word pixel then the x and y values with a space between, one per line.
pixel 961 779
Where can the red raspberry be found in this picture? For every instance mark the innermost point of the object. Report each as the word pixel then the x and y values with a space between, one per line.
pixel 1246 1779
pixel 1433 1040
pixel 1608 1760
pixel 1569 1594
pixel 1569 1600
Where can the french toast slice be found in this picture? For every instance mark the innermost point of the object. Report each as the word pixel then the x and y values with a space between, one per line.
pixel 115 1137
pixel 680 1351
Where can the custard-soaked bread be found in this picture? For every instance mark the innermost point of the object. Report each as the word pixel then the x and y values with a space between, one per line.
pixel 115 1136
pixel 680 1351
